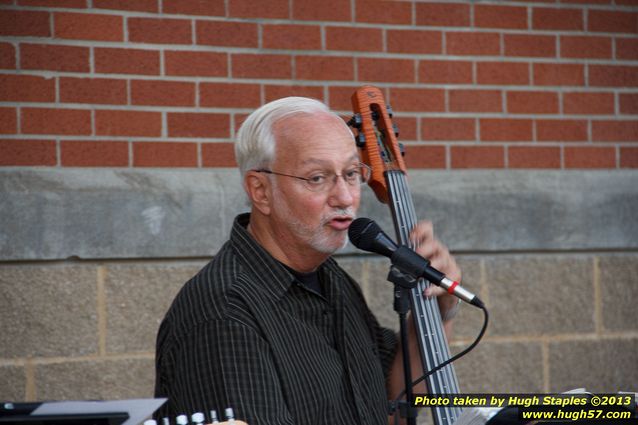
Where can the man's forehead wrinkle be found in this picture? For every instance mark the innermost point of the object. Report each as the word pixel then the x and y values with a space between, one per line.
pixel 326 162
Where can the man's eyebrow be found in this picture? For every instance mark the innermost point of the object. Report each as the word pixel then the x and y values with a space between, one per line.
pixel 324 162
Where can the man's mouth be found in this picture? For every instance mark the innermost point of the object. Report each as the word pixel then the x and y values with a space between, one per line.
pixel 340 222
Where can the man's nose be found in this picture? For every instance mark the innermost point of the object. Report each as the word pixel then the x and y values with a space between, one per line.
pixel 342 193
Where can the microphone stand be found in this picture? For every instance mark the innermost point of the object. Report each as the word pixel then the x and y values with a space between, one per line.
pixel 402 286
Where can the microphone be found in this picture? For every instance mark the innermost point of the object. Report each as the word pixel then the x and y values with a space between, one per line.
pixel 365 234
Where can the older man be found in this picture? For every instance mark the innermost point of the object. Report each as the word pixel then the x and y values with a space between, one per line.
pixel 272 326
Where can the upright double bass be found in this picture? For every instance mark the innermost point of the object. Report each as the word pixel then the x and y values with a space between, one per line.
pixel 375 135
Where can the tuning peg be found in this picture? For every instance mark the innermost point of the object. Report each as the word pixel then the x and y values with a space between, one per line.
pixel 375 115
pixel 355 121
pixel 230 415
pixel 197 418
pixel 396 129
pixel 401 149
pixel 181 420
pixel 360 140
pixel 389 109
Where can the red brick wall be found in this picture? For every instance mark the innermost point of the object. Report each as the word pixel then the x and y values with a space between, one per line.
pixel 165 83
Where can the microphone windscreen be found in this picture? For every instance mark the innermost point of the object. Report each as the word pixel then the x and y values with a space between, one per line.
pixel 362 232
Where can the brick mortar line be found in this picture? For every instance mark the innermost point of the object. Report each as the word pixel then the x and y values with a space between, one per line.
pixel 38 361
pixel 226 111
pixel 130 152
pixel 162 60
pixel 126 14
pixel 233 125
pixel 506 163
pixel 164 123
pixel 52 25
pixel 101 309
pixel 400 114
pixel 58 152
pixel 16 55
pixel 323 83
pixel 618 156
pixel 193 30
pixel 129 92
pixel 330 83
pixel 532 77
pixel 365 279
pixel 413 13
pixel 143 139
pixel 93 123
pixel 119 138
pixel 483 283
pixel 191 261
pixel 18 120
pixel 30 390
pixel 161 262
pixel 260 36
pixel 313 52
pixel 353 12
pixel 546 369
pixel 21 362
pixel 625 335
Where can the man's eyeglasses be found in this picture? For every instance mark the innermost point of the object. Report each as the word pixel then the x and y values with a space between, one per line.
pixel 323 181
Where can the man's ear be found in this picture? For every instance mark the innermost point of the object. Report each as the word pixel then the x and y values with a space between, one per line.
pixel 259 191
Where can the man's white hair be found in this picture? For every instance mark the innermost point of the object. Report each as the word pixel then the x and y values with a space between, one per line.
pixel 255 144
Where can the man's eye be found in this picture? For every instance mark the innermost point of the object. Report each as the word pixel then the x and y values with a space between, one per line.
pixel 351 174
pixel 317 179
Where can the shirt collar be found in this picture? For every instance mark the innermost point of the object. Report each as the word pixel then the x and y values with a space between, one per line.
pixel 270 274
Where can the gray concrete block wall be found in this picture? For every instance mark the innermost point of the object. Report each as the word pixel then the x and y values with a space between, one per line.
pixel 546 315
pixel 83 329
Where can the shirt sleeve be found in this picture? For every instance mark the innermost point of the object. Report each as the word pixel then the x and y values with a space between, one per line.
pixel 221 364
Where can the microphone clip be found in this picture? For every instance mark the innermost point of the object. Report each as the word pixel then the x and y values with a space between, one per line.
pixel 401 279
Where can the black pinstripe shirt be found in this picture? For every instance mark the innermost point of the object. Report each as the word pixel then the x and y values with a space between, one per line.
pixel 243 333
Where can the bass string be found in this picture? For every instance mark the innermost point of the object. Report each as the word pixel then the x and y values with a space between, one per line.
pixel 442 343
pixel 443 381
pixel 407 219
pixel 427 315
pixel 447 375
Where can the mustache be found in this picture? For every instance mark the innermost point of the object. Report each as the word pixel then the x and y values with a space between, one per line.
pixel 340 213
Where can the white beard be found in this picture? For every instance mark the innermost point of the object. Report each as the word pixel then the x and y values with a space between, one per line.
pixel 319 237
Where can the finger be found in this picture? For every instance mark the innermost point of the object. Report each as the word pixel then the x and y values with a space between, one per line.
pixel 438 254
pixel 445 300
pixel 434 291
pixel 429 248
pixel 421 233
